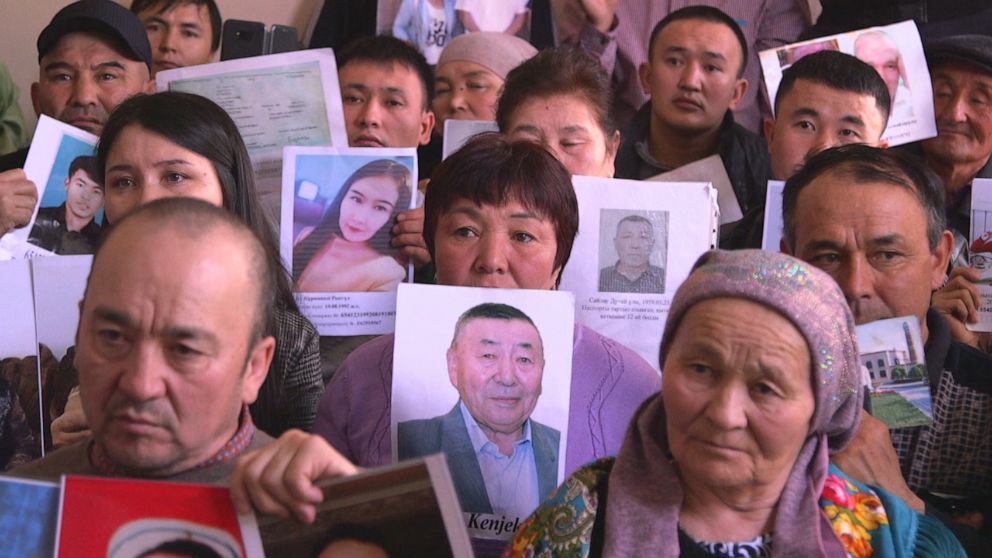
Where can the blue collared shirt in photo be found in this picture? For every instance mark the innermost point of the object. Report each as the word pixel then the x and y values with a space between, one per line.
pixel 511 480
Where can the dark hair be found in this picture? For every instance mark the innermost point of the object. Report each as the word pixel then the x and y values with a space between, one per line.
pixel 182 547
pixel 491 170
pixel 492 311
pixel 350 532
pixel 564 70
pixel 861 163
pixel 138 6
pixel 87 164
pixel 200 125
pixel 195 218
pixel 702 13
pixel 330 223
pixel 386 50
pixel 634 219
pixel 839 71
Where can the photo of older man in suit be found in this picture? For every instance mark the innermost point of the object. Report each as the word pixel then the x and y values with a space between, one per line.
pixel 501 461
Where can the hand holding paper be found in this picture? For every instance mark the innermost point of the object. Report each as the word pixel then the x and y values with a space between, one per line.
pixel 959 301
pixel 18 196
pixel 279 479
pixel 408 236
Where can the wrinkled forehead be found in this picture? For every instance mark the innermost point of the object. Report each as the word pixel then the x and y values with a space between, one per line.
pixel 499 197
pixel 145 252
pixel 513 331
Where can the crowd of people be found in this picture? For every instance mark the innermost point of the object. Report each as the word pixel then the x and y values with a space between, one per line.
pixel 195 363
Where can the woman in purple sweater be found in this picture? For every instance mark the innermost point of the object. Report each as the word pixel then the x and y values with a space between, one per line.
pixel 497 214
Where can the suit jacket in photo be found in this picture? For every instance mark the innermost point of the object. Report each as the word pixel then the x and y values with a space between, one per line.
pixel 447 434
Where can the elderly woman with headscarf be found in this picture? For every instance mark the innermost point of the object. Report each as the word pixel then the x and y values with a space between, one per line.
pixel 761 384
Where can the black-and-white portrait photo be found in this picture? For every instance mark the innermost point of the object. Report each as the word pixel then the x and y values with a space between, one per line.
pixel 633 248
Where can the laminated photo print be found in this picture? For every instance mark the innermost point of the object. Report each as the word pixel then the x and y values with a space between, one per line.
pixel 896 52
pixel 62 164
pixel 276 100
pixel 637 242
pixel 151 518
pixel 891 353
pixel 20 384
pixel 339 207
pixel 486 381
pixel 980 249
pixel 59 284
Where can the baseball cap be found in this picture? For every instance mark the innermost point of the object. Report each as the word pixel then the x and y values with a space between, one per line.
pixel 973 49
pixel 100 16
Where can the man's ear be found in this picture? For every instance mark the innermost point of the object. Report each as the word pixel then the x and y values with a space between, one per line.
pixel 36 98
pixel 613 143
pixel 149 86
pixel 644 73
pixel 426 127
pixel 739 89
pixel 452 358
pixel 768 125
pixel 940 258
pixel 612 148
pixel 257 368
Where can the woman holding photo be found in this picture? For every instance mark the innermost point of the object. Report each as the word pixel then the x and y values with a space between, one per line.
pixel 498 214
pixel 348 251
pixel 181 145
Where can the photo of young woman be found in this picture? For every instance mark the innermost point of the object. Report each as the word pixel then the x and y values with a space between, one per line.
pixel 349 250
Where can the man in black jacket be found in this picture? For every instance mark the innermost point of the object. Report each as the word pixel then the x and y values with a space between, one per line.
pixel 92 56
pixel 694 75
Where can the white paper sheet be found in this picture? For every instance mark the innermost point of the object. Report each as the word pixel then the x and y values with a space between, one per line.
pixel 980 248
pixel 457 132
pixel 54 146
pixel 683 217
pixel 771 238
pixel 313 177
pixel 277 100
pixel 709 169
pixel 59 284
pixel 422 388
pixel 17 334
pixel 911 117
pixel 17 309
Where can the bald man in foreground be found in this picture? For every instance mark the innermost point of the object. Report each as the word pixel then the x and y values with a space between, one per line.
pixel 174 340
